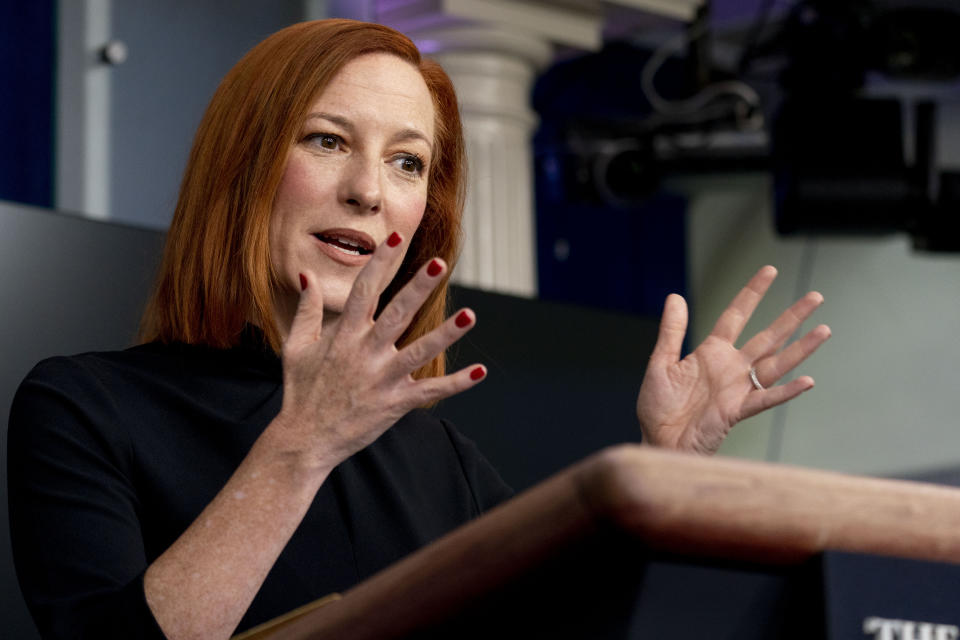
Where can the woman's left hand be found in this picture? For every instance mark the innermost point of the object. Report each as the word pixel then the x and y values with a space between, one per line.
pixel 691 404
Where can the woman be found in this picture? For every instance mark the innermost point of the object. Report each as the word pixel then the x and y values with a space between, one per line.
pixel 262 447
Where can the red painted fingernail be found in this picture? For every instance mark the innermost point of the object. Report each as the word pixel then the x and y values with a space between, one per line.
pixel 303 282
pixel 394 239
pixel 434 268
pixel 478 373
pixel 463 319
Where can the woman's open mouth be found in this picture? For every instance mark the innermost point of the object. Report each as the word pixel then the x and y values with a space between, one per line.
pixel 346 246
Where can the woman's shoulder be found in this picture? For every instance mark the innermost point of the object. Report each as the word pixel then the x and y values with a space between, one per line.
pixel 102 369
pixel 83 381
pixel 90 360
pixel 103 386
pixel 151 363
pixel 78 368
pixel 151 393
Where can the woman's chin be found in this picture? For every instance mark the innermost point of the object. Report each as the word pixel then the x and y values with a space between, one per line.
pixel 334 299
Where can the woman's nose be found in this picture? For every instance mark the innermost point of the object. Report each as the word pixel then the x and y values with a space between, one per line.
pixel 360 187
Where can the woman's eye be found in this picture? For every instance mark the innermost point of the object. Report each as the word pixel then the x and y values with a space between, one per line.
pixel 324 140
pixel 410 164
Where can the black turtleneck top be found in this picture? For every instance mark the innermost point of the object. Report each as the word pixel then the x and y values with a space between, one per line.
pixel 112 455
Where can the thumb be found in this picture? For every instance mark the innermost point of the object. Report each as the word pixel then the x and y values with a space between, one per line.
pixel 308 320
pixel 673 328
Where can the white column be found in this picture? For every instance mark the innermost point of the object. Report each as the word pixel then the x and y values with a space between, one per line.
pixel 493 71
pixel 83 108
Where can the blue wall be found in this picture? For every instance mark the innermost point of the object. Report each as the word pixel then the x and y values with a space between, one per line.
pixel 596 248
pixel 27 59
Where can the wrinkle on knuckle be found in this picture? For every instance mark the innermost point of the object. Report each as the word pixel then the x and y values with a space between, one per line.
pixel 795 316
pixel 423 286
pixel 756 287
pixel 736 315
pixel 673 325
pixel 767 340
pixel 363 289
pixel 426 392
pixel 416 354
pixel 393 315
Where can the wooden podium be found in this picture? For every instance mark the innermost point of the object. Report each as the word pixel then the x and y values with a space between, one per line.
pixel 637 542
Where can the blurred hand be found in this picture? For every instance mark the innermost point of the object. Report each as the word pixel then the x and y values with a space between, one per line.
pixel 691 404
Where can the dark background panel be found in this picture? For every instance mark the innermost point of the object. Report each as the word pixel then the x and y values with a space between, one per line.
pixel 68 285
pixel 562 381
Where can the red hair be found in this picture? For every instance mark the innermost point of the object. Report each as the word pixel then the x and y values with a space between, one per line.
pixel 216 273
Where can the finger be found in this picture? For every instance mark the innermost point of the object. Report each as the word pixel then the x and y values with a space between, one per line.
pixel 426 348
pixel 308 319
pixel 429 390
pixel 762 400
pixel 362 302
pixel 773 368
pixel 673 328
pixel 768 341
pixel 396 316
pixel 735 317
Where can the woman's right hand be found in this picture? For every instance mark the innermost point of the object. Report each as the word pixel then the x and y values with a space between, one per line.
pixel 345 385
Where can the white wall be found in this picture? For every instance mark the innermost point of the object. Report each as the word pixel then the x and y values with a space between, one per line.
pixel 887 398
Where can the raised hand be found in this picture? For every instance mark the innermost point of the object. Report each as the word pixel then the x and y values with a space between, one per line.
pixel 344 386
pixel 692 404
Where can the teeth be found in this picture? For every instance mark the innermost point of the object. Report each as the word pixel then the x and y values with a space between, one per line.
pixel 346 245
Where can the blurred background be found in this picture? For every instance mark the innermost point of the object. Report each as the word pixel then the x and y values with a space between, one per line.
pixel 619 150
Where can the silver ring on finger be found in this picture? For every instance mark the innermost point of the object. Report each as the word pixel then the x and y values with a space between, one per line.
pixel 754 380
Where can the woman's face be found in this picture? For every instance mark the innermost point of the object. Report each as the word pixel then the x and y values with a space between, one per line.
pixel 356 173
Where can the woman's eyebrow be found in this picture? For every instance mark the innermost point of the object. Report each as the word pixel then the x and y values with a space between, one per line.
pixel 405 135
pixel 331 117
